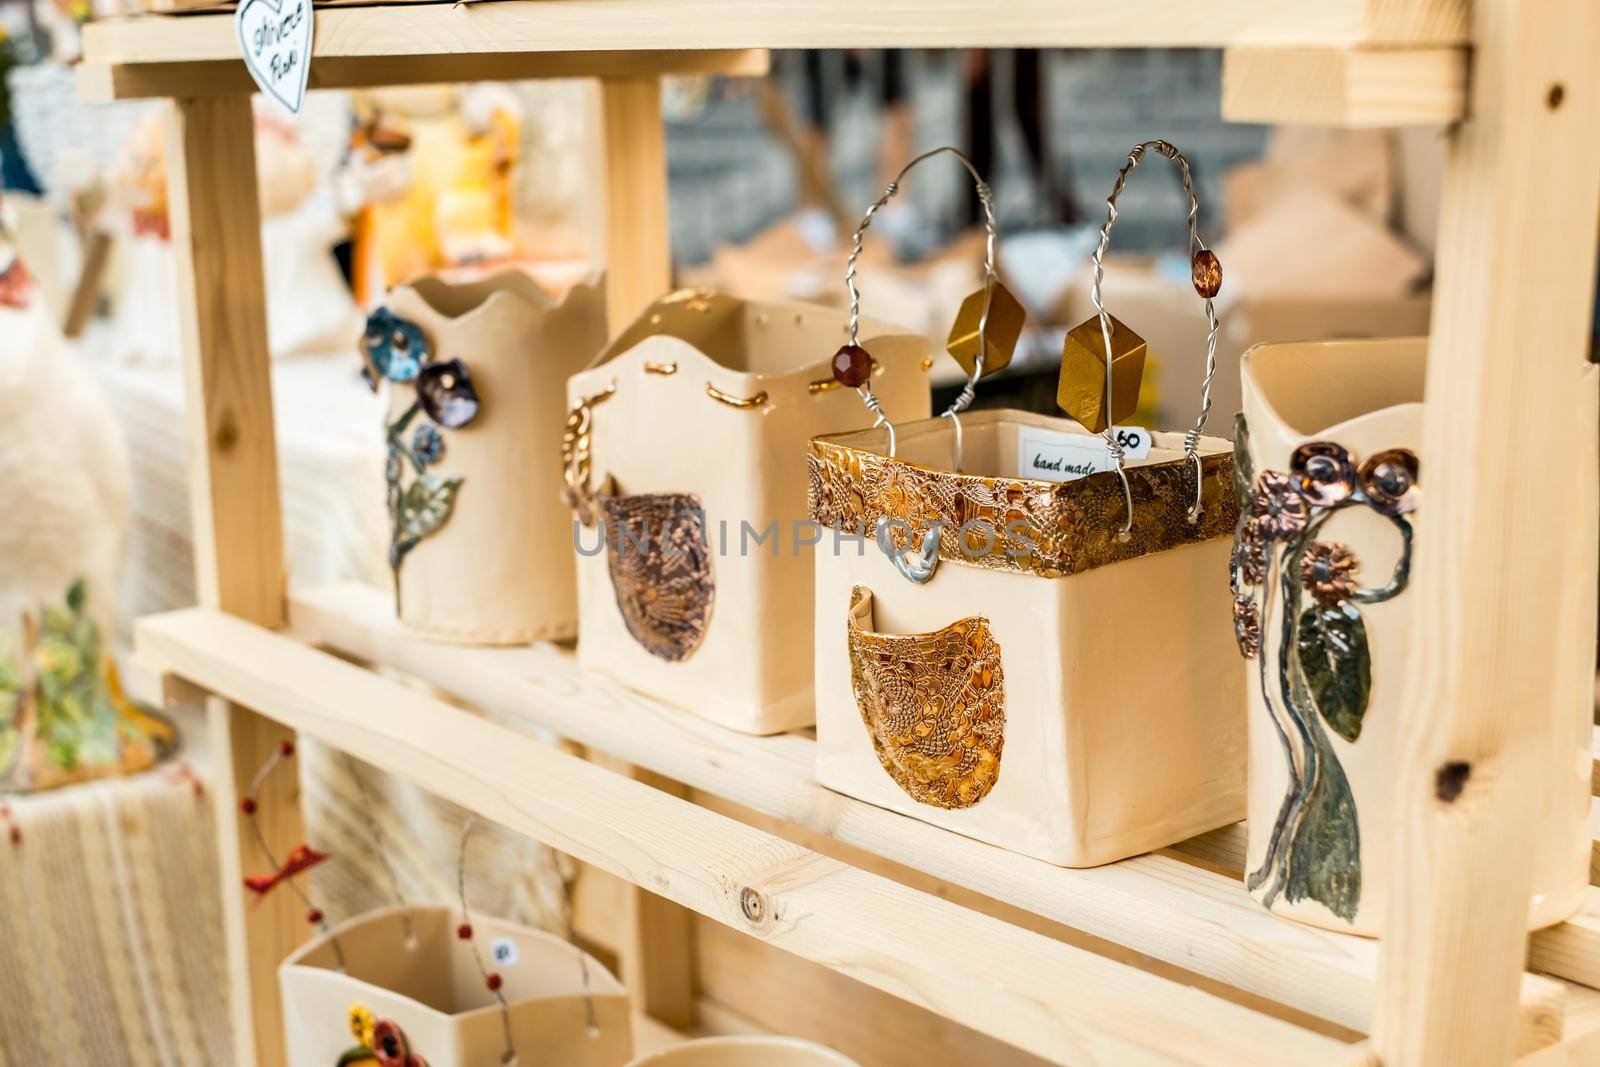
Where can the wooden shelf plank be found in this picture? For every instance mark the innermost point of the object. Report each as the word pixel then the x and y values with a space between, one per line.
pixel 99 82
pixel 1056 1001
pixel 1158 905
pixel 576 25
pixel 1355 87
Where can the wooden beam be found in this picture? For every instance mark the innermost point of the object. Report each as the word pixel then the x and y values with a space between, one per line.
pixel 974 969
pixel 1345 87
pixel 238 533
pixel 638 241
pixel 102 82
pixel 1504 584
pixel 577 25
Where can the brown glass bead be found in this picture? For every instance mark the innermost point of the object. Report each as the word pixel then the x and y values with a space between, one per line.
pixel 248 806
pixel 464 931
pixel 1206 270
pixel 286 749
pixel 852 366
pixel 494 981
pixel 314 916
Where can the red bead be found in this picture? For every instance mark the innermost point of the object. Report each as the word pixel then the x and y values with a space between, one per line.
pixel 314 916
pixel 248 806
pixel 493 982
pixel 464 931
pixel 286 749
pixel 852 366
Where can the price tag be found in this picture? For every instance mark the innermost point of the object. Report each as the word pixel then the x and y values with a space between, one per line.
pixel 1053 456
pixel 275 36
pixel 504 952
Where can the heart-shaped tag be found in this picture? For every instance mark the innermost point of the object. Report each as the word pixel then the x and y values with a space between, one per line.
pixel 275 36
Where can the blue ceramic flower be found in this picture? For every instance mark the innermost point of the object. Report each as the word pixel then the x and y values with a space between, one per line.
pixel 395 348
pixel 427 444
pixel 446 393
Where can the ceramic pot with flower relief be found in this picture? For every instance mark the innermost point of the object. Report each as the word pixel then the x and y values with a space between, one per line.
pixel 1332 492
pixel 480 545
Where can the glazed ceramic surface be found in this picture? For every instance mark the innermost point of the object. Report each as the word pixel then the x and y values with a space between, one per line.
pixel 1320 841
pixel 1077 718
pixel 435 994
pixel 716 618
pixel 499 569
pixel 745 1052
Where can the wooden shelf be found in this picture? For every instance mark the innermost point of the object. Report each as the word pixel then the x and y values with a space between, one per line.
pixel 1187 908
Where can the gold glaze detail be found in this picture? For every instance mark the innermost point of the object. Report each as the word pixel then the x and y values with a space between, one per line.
pixel 660 563
pixel 663 369
pixel 1019 524
pixel 933 704
pixel 822 385
pixel 736 401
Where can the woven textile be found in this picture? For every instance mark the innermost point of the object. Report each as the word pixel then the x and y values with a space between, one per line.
pixel 111 928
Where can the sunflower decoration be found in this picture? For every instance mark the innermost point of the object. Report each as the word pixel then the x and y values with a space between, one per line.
pixel 397 351
pixel 379 1043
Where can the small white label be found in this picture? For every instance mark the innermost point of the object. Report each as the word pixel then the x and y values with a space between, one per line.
pixel 275 36
pixel 504 951
pixel 1053 456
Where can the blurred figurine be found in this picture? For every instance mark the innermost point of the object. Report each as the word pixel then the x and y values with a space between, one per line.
pixel 62 462
pixel 430 178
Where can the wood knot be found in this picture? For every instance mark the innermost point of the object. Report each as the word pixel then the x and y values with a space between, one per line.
pixel 1451 779
pixel 227 435
pixel 753 904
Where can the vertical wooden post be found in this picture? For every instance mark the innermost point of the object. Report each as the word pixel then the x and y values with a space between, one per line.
pixel 238 533
pixel 638 241
pixel 1506 552
pixel 658 951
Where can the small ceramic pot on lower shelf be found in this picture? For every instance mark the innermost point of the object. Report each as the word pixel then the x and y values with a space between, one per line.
pixel 1333 488
pixel 365 985
pixel 745 1052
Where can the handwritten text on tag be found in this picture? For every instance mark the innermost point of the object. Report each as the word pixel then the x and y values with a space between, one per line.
pixel 1053 456
pixel 275 36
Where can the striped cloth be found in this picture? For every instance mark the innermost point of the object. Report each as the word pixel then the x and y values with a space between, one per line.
pixel 111 928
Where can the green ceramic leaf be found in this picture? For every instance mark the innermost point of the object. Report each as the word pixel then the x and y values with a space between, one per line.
pixel 1244 475
pixel 1324 854
pixel 426 505
pixel 1330 644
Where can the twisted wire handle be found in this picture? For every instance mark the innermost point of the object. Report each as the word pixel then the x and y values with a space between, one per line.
pixel 1192 437
pixel 964 399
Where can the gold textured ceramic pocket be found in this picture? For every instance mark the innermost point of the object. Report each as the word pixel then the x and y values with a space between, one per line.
pixel 660 563
pixel 933 704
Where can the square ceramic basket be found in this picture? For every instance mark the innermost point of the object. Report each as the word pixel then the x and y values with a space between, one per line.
pixel 699 593
pixel 435 996
pixel 1051 689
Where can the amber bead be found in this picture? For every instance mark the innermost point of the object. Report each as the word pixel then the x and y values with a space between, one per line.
pixel 493 982
pixel 1206 270
pixel 852 366
pixel 464 931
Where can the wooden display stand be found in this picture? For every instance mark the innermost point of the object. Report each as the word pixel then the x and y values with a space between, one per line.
pixel 1157 959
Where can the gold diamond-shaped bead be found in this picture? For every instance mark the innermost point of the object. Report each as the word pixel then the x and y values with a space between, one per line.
pixel 1005 326
pixel 1081 390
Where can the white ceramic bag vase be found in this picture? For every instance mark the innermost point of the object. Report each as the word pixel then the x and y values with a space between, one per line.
pixel 486 555
pixel 434 998
pixel 745 1052
pixel 686 461
pixel 1333 490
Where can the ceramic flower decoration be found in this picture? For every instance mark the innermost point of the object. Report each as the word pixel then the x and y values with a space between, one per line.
pixel 398 352
pixel 1323 666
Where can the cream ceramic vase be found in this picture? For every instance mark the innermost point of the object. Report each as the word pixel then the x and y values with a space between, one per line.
pixel 485 544
pixel 745 1052
pixel 688 456
pixel 1048 688
pixel 433 999
pixel 1334 491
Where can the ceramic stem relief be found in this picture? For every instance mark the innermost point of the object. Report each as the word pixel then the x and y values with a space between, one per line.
pixel 1321 664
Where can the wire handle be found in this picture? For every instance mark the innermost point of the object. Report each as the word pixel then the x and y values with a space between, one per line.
pixel 1191 439
pixel 964 399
